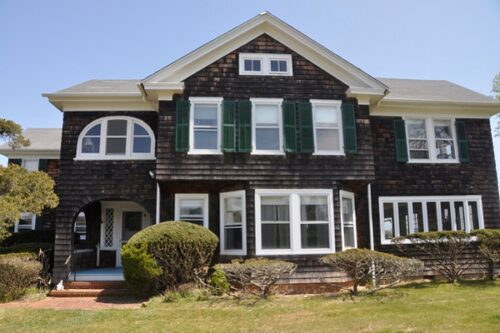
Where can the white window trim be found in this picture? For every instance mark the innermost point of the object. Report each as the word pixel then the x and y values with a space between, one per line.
pixel 265 63
pixel 32 227
pixel 37 160
pixel 424 200
pixel 202 196
pixel 234 194
pixel 348 195
pixel 129 155
pixel 295 221
pixel 205 100
pixel 431 140
pixel 332 103
pixel 268 101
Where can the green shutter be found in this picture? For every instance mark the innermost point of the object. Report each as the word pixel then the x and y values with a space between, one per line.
pixel 244 126
pixel 228 126
pixel 306 127
pixel 400 140
pixel 17 161
pixel 182 126
pixel 463 145
pixel 290 126
pixel 349 128
pixel 43 165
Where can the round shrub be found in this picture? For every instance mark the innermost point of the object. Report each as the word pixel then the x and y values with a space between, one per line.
pixel 18 271
pixel 178 248
pixel 140 269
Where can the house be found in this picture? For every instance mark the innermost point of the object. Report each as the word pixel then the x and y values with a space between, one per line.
pixel 275 143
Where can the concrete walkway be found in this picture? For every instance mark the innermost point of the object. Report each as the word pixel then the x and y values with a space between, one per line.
pixel 78 303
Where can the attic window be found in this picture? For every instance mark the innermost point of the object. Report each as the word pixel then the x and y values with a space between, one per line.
pixel 265 64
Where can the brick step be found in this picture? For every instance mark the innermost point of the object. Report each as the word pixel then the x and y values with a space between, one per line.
pixel 95 285
pixel 89 292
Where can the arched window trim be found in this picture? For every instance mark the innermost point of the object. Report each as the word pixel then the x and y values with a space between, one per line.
pixel 129 154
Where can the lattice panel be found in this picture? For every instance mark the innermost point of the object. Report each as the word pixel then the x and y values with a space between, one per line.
pixel 108 228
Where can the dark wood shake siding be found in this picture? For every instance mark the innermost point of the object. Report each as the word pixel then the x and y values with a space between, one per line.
pixel 476 177
pixel 83 182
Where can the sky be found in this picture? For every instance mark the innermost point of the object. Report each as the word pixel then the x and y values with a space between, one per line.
pixel 49 45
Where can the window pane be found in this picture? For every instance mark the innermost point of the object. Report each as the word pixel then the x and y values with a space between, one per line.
pixel 446 215
pixel 275 209
pixel 349 236
pixel 416 129
pixel 142 145
pixel 347 211
pixel 274 66
pixel 388 220
pixel 90 145
pixel 445 149
pixel 115 146
pixel 139 130
pixel 325 116
pixel 404 223
pixel 275 236
pixel 233 239
pixel 314 236
pixel 418 217
pixel 205 115
pixel 432 216
pixel 248 65
pixel 31 165
pixel 256 65
pixel 95 130
pixel 313 208
pixel 117 127
pixel 191 207
pixel 283 66
pixel 419 154
pixel 205 139
pixel 232 214
pixel 266 115
pixel 459 215
pixel 25 221
pixel 327 139
pixel 442 129
pixel 418 144
pixel 267 138
pixel 473 215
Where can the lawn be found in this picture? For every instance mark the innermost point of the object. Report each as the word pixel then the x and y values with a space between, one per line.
pixel 427 307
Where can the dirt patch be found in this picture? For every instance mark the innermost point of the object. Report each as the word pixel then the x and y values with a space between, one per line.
pixel 78 303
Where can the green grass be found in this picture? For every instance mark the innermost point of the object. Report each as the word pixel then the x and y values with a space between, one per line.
pixel 429 307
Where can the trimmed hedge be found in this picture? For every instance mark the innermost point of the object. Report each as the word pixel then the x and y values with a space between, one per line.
pixel 32 236
pixel 178 249
pixel 489 248
pixel 27 248
pixel 18 271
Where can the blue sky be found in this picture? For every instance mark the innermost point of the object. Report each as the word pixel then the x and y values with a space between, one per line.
pixel 49 45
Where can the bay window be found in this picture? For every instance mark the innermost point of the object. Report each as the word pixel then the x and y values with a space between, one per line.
pixel 402 216
pixel 294 221
pixel 233 223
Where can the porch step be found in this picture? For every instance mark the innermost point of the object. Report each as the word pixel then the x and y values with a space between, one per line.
pixel 95 285
pixel 89 292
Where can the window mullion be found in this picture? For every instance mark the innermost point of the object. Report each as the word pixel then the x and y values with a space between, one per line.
pixel 453 216
pixel 411 218
pixel 425 216
pixel 395 211
pixel 439 217
pixel 431 139
pixel 104 139
pixel 467 221
pixel 295 222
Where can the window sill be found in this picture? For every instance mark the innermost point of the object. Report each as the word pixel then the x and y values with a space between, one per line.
pixel 233 253
pixel 433 162
pixel 328 153
pixel 293 253
pixel 204 152
pixel 260 152
pixel 114 158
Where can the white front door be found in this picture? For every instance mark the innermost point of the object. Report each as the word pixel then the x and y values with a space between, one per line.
pixel 120 221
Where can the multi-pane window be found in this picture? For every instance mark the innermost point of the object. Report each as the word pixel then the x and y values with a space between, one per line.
pixel 253 65
pixel 205 115
pixel 116 138
pixel 232 215
pixel 27 221
pixel 279 66
pixel 294 221
pixel 348 220
pixel 265 64
pixel 192 208
pixel 327 127
pixel 402 216
pixel 431 140
pixel 267 131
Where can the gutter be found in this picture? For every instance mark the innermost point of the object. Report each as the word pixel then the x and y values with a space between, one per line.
pixel 370 216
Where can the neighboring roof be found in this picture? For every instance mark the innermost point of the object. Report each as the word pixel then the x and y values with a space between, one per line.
pixel 43 141
pixel 432 91
pixel 103 87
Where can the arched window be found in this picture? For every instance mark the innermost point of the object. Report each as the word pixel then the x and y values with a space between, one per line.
pixel 114 138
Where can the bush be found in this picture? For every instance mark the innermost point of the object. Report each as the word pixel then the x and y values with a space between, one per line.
pixel 31 236
pixel 489 248
pixel 140 269
pixel 258 273
pixel 178 248
pixel 18 271
pixel 219 283
pixel 27 247
pixel 363 265
pixel 448 251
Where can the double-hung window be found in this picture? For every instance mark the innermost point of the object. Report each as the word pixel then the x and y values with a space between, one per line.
pixel 431 140
pixel 402 216
pixel 294 222
pixel 267 126
pixel 192 207
pixel 233 223
pixel 205 125
pixel 327 119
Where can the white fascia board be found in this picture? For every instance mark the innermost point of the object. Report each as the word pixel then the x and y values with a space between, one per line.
pixel 283 33
pixel 35 154
pixel 402 108
pixel 100 102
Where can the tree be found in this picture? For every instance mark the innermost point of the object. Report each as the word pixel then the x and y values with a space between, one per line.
pixel 21 190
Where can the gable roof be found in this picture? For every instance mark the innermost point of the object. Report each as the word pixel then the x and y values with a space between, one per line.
pixel 43 141
pixel 358 80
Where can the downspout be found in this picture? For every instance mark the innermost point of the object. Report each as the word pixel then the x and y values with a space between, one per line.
pixel 158 197
pixel 370 217
pixel 144 94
